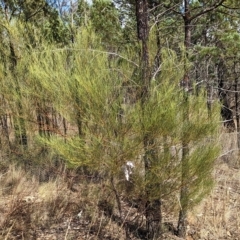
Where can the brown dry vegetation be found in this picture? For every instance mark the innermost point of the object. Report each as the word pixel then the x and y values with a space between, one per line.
pixel 72 206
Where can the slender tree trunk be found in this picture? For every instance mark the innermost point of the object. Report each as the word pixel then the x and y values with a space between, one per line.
pixel 181 228
pixel 153 212
pixel 44 120
pixel 40 120
pixel 226 112
pixel 237 109
pixel 157 59
pixel 19 122
pixel 184 193
pixel 187 43
pixel 79 118
pixel 153 206
pixel 65 129
pixel 236 101
pixel 4 123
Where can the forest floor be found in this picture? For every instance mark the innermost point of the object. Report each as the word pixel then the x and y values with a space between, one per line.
pixel 60 209
pixel 218 215
pixel 30 210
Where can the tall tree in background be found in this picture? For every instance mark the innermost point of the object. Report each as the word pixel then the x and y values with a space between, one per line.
pixel 107 23
pixel 189 12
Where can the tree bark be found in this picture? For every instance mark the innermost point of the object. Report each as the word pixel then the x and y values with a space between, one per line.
pixel 226 112
pixel 237 108
pixel 186 84
pixel 187 43
pixel 19 123
pixel 152 206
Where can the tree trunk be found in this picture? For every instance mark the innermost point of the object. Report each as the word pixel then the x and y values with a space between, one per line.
pixel 226 112
pixel 237 109
pixel 5 129
pixel 182 226
pixel 181 229
pixel 187 44
pixel 152 206
pixel 19 123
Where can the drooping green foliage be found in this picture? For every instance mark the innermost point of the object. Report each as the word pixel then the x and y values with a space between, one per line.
pixel 112 128
pixel 71 88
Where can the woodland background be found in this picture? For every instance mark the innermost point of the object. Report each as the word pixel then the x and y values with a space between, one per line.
pixel 86 87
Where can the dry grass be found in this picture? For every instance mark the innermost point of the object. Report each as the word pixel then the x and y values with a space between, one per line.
pixel 55 209
pixel 218 216
pixel 51 210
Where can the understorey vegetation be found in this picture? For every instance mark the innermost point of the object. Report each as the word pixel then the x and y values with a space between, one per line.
pixel 118 119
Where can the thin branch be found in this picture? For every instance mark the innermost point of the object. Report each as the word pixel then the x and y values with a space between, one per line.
pixel 227 13
pixel 172 8
pixel 206 10
pixel 155 7
pixel 156 72
pixel 226 90
pixel 230 151
pixel 162 13
pixel 231 8
pixel 35 13
pixel 92 50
